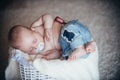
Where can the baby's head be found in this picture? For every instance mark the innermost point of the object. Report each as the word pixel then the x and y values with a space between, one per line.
pixel 26 40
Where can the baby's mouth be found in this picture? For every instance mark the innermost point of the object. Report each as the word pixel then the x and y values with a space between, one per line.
pixel 40 47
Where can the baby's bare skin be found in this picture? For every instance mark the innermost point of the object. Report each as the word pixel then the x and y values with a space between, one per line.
pixel 82 50
pixel 47 31
pixel 52 49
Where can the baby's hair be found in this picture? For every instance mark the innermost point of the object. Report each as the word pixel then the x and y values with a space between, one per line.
pixel 14 34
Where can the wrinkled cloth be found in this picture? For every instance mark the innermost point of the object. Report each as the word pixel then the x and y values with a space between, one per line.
pixel 73 34
pixel 80 69
pixel 20 58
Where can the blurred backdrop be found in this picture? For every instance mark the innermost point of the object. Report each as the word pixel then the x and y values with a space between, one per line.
pixel 101 16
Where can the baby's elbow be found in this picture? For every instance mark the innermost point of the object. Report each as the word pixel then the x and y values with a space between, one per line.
pixel 47 17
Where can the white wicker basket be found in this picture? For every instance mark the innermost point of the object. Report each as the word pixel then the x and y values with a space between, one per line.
pixel 27 72
pixel 30 73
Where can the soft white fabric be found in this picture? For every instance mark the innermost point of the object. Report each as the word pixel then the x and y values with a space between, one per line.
pixel 82 69
pixel 20 58
pixel 12 71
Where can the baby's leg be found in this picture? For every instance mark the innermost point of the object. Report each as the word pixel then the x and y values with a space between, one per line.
pixel 52 54
pixel 91 47
pixel 80 51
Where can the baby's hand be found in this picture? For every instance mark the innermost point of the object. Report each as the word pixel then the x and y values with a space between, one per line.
pixel 48 33
pixel 91 46
pixel 36 29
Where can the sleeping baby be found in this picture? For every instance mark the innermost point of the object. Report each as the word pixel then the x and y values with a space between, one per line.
pixel 52 39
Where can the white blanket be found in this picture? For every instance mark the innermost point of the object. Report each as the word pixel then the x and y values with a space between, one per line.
pixel 82 69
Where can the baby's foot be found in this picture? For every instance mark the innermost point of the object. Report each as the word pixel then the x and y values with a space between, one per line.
pixel 72 57
pixel 91 46
pixel 76 55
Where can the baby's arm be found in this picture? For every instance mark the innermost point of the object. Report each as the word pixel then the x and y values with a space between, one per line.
pixel 51 54
pixel 45 21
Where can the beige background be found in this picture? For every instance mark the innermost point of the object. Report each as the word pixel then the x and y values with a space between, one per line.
pixel 101 16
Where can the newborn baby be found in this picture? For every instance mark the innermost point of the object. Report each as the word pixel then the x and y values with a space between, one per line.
pixel 50 38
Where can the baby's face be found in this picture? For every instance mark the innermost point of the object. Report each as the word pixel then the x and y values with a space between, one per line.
pixel 30 41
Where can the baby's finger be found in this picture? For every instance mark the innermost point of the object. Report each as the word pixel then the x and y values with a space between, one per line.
pixel 32 28
pixel 47 35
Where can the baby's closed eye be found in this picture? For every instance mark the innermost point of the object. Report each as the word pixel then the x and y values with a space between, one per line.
pixel 35 40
